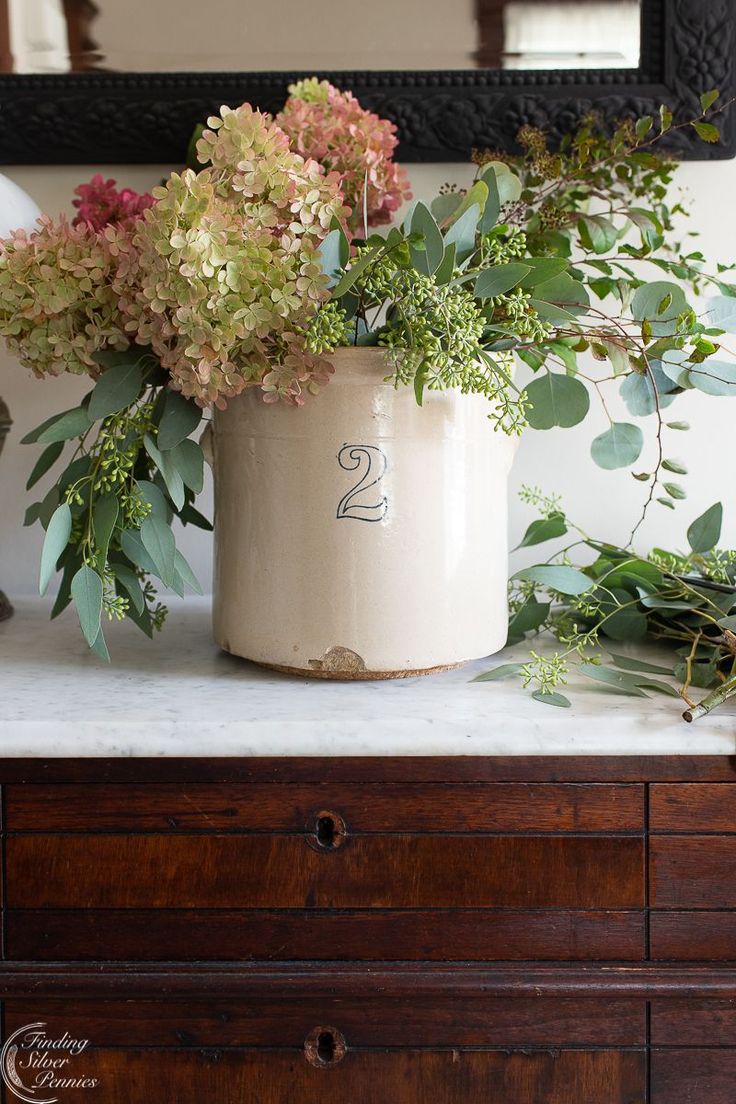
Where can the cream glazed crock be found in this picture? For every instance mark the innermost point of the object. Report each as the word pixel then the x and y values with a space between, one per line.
pixel 360 535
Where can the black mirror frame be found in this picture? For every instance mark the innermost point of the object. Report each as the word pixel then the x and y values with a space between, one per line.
pixel 689 47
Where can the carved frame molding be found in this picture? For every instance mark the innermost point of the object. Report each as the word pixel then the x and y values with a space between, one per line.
pixel 689 47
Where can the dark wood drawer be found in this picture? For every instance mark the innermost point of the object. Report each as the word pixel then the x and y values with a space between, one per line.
pixel 433 935
pixel 693 935
pixel 693 1076
pixel 261 871
pixel 693 872
pixel 189 1076
pixel 693 807
pixel 406 1019
pixel 692 1023
pixel 294 807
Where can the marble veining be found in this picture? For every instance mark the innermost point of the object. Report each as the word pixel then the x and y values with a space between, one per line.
pixel 180 696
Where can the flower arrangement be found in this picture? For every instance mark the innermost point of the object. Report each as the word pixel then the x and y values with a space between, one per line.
pixel 250 267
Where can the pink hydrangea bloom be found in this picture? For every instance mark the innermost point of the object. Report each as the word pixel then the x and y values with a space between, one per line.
pixel 330 126
pixel 100 204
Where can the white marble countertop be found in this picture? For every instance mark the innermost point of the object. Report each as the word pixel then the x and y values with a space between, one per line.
pixel 180 696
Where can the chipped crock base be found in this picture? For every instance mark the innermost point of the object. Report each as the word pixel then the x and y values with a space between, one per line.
pixel 345 665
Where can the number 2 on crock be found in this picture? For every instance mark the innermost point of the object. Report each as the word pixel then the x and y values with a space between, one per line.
pixel 360 502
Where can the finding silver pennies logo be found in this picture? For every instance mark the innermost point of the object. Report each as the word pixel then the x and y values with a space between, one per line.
pixel 35 1066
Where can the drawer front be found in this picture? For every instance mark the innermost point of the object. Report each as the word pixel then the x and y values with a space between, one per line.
pixel 690 1023
pixel 260 871
pixel 287 807
pixel 693 807
pixel 693 936
pixel 407 1020
pixel 361 1077
pixel 280 1051
pixel 693 1076
pixel 452 935
pixel 693 872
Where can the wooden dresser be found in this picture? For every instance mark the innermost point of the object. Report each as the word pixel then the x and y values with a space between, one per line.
pixel 373 930
pixel 238 888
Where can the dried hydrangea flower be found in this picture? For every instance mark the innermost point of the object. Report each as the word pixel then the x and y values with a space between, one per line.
pixel 100 204
pixel 330 126
pixel 57 304
pixel 226 263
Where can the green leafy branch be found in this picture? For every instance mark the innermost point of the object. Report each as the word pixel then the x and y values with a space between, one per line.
pixel 108 517
pixel 686 601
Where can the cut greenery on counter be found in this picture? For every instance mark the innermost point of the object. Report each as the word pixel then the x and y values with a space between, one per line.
pixel 685 601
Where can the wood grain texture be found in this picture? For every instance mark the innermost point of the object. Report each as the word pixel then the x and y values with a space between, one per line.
pixel 382 769
pixel 693 872
pixel 695 807
pixel 688 1023
pixel 363 1077
pixel 366 808
pixel 693 936
pixel 168 935
pixel 693 1076
pixel 377 1021
pixel 46 871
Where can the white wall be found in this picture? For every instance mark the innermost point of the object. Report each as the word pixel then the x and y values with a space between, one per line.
pixel 606 503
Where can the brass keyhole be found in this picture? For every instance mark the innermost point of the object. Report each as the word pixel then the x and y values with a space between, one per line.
pixel 325 1046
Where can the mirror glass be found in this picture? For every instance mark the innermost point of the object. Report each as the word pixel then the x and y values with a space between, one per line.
pixel 62 36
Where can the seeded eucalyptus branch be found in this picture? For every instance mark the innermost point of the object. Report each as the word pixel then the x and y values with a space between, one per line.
pixel 108 516
pixel 686 601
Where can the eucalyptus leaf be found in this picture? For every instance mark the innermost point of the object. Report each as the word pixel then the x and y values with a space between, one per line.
pixel 131 584
pixel 552 697
pixel 132 546
pixel 660 303
pixel 507 182
pixel 529 618
pixel 73 423
pixel 543 269
pixel 188 459
pixel 48 506
pixel 557 577
pixel 705 532
pixel 506 670
pixel 713 377
pixel 427 257
pixel 116 389
pixel 169 471
pixel 446 269
pixel 640 666
pixel 356 270
pixel 156 499
pixel 618 680
pixel 100 647
pixel 443 207
pixel 500 279
pixel 556 400
pixel 87 595
pixel 332 258
pixel 619 447
pixel 46 460
pixel 492 208
pixel 179 419
pixel 56 539
pixel 544 529
pixel 185 573
pixel 159 543
pixel 104 516
pixel 462 232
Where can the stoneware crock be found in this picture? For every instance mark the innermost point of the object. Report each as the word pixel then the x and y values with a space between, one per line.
pixel 360 535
